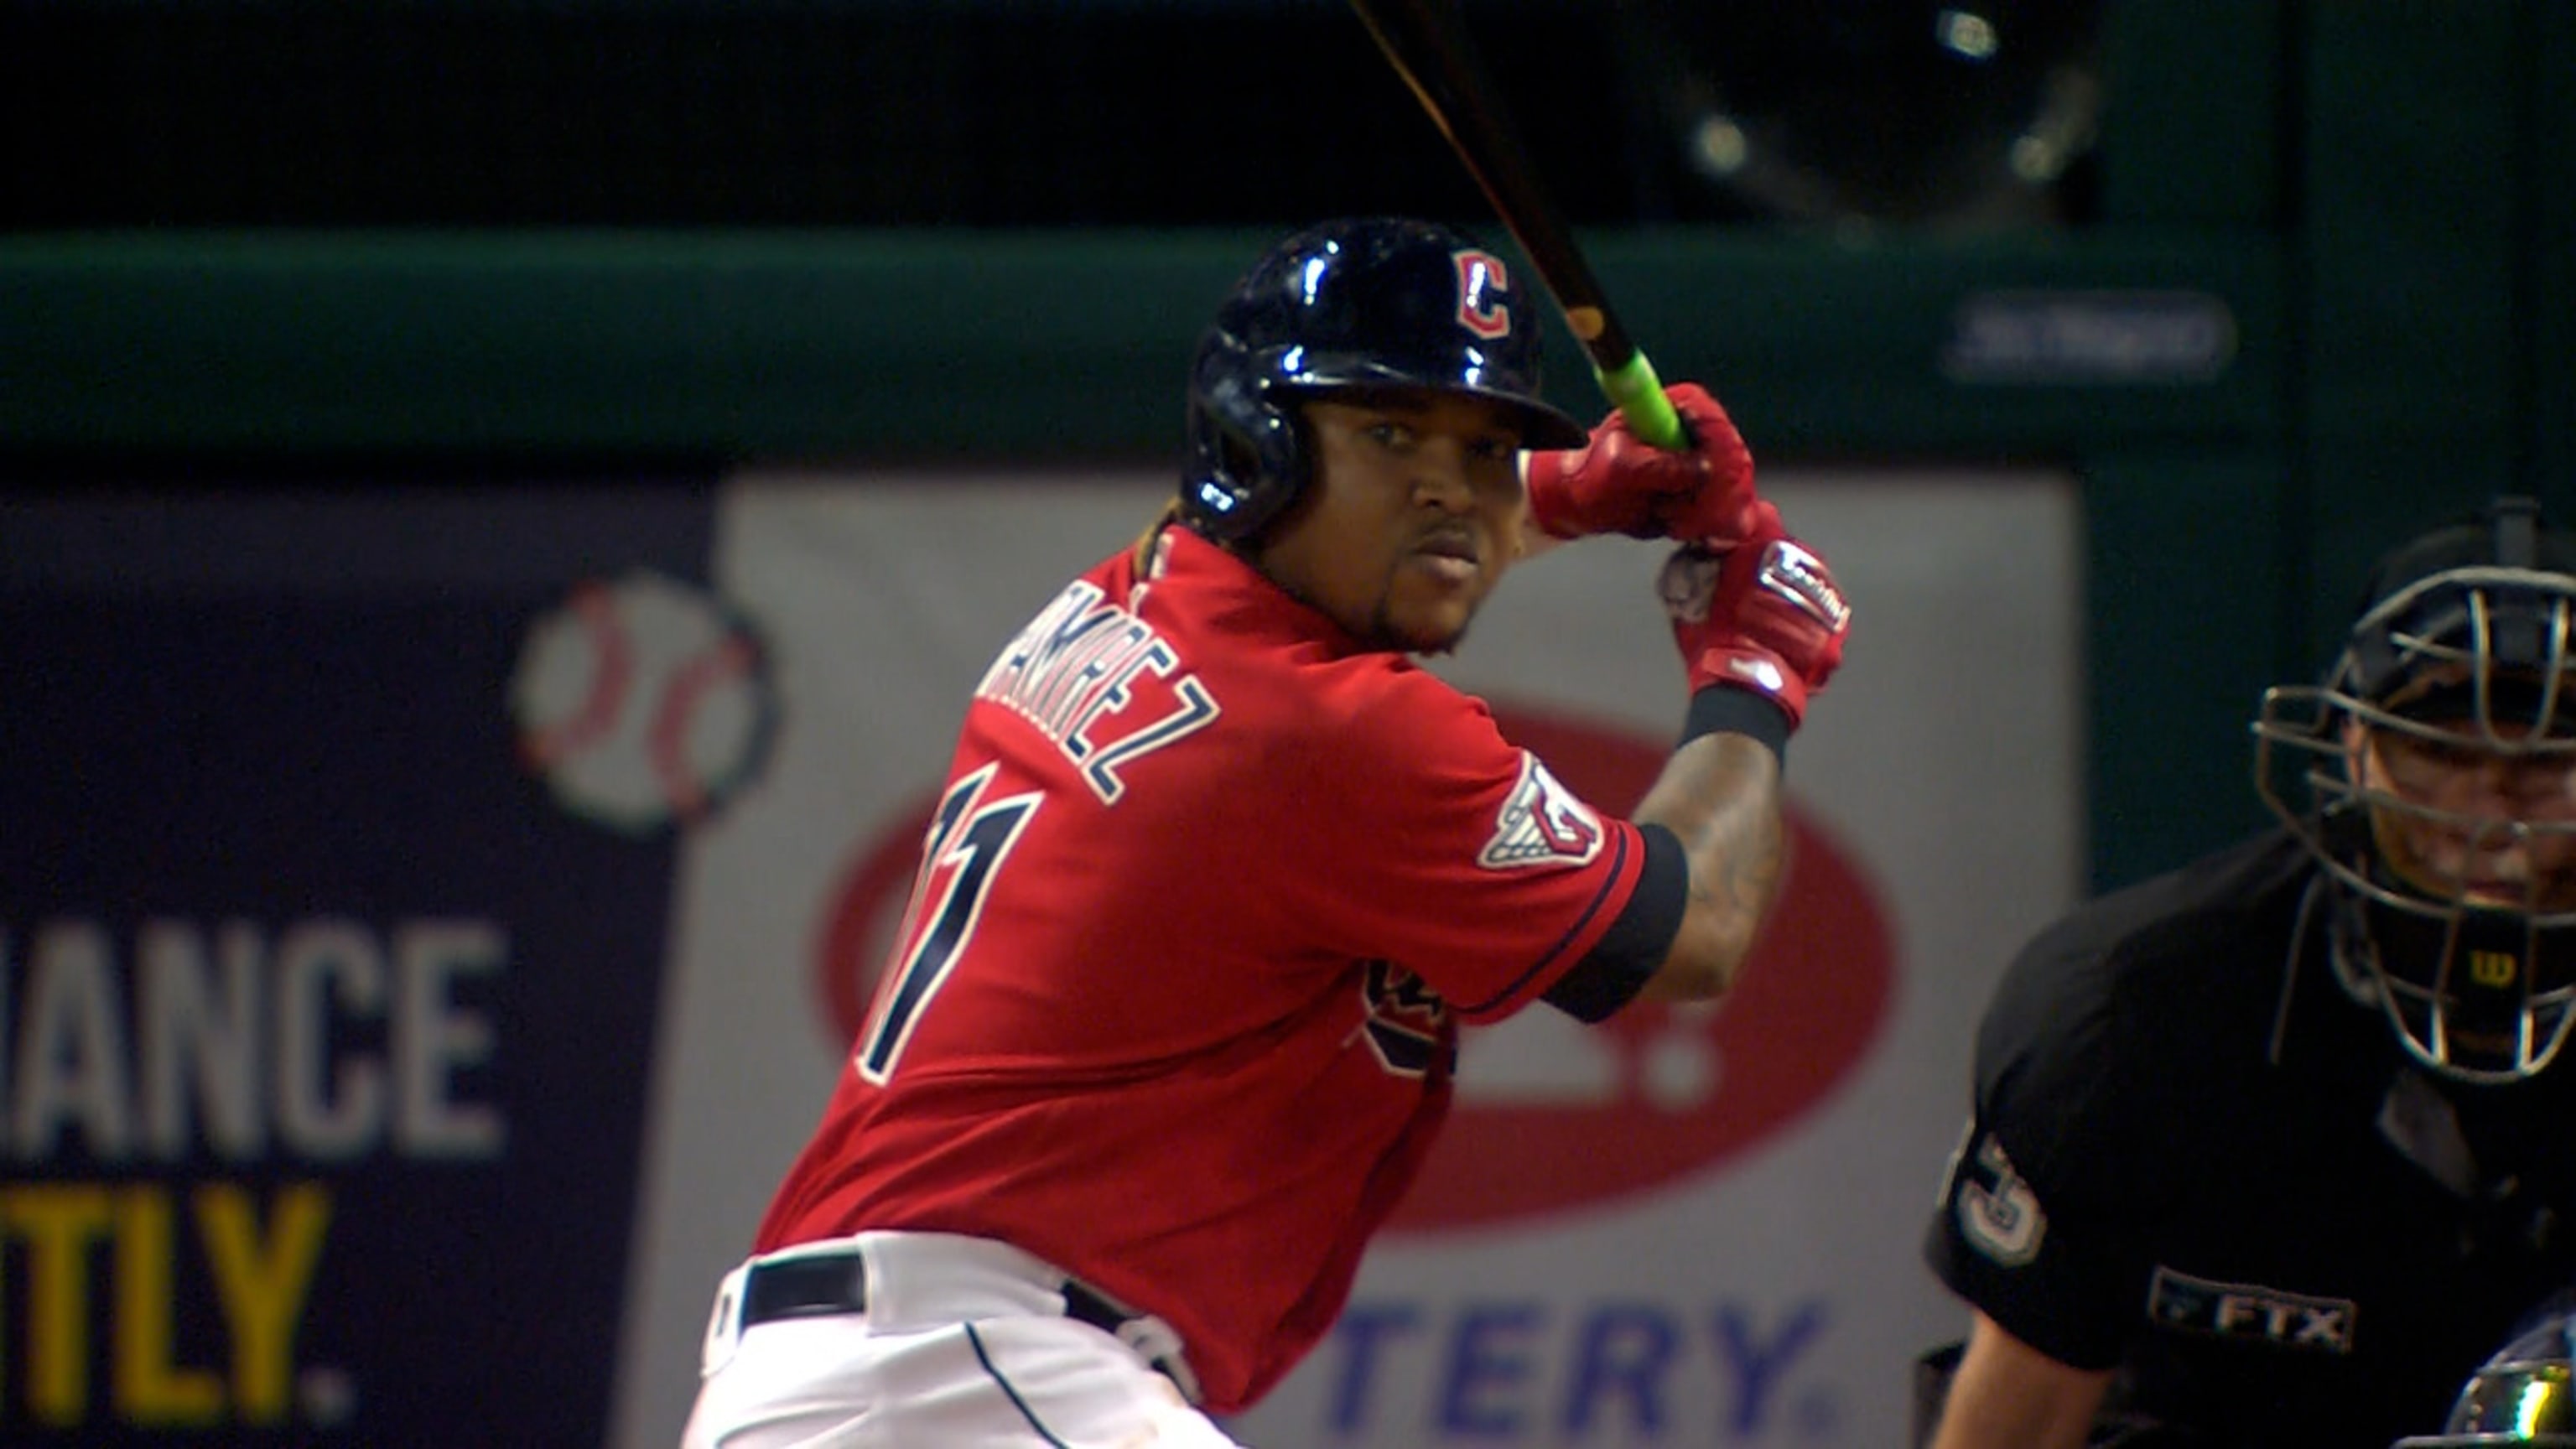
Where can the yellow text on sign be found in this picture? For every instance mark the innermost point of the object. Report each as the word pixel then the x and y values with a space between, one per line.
pixel 261 1268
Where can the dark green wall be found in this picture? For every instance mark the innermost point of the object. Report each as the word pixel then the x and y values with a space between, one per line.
pixel 2418 305
pixel 2379 193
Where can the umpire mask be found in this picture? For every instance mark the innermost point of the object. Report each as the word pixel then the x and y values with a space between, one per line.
pixel 2433 776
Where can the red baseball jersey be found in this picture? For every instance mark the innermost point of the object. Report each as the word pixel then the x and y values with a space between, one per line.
pixel 1175 1001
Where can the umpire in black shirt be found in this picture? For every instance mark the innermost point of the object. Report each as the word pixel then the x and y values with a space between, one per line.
pixel 2274 1149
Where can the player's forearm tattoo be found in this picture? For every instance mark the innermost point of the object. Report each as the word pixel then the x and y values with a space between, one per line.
pixel 1721 799
pixel 1735 851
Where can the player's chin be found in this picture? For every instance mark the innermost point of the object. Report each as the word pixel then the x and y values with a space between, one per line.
pixel 1427 604
pixel 1429 628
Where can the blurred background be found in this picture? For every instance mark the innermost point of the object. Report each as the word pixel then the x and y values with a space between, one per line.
pixel 379 380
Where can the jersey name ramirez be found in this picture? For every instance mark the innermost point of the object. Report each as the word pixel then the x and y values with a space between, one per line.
pixel 1098 682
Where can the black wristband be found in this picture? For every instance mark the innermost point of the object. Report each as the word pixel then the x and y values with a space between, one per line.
pixel 1730 709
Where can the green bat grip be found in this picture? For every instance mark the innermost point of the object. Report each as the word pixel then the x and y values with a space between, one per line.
pixel 1633 388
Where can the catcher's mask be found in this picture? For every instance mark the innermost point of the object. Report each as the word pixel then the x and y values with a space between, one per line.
pixel 1359 304
pixel 2521 1395
pixel 2433 774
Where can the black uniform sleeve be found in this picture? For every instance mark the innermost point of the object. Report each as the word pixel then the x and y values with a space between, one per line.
pixel 2038 1222
pixel 1634 947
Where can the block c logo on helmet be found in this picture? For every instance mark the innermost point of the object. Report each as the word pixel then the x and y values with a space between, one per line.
pixel 1481 273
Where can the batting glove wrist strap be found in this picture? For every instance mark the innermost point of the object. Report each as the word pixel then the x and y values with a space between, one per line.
pixel 1732 709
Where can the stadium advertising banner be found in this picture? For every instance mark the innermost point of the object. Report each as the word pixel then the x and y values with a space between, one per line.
pixel 430 919
pixel 324 1021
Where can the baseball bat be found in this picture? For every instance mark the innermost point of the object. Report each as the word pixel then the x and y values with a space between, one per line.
pixel 1428 44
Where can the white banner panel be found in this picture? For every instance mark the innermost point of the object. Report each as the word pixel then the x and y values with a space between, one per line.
pixel 1680 1228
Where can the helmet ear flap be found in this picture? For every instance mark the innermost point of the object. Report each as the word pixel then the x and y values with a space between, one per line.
pixel 1247 461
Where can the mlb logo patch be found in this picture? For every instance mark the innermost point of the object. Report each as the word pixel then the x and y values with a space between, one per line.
pixel 1542 823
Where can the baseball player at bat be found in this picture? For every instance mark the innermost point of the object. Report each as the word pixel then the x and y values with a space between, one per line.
pixel 1220 869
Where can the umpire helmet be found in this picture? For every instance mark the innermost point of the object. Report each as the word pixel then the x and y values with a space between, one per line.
pixel 2459 666
pixel 2520 1395
pixel 1369 302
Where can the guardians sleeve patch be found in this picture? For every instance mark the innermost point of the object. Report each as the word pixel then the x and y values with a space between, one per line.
pixel 1542 823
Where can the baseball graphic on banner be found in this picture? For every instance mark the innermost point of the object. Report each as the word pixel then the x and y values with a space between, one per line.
pixel 643 703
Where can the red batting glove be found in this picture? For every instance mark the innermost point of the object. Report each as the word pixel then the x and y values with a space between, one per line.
pixel 1765 615
pixel 1620 483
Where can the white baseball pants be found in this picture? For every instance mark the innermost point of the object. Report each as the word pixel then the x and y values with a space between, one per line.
pixel 963 1343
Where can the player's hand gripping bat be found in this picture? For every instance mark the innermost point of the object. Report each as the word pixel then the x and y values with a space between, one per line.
pixel 1427 43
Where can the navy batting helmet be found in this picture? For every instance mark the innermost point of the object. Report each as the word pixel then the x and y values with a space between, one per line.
pixel 1371 302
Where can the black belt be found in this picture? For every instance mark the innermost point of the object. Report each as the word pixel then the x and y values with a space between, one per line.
pixel 818 1284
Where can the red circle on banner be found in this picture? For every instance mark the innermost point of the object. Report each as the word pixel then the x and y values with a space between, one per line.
pixel 1672 1091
